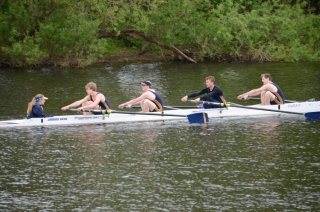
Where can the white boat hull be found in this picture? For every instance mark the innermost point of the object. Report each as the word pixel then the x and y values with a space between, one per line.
pixel 303 107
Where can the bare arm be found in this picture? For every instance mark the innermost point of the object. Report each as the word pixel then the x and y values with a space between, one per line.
pixel 146 95
pixel 94 104
pixel 254 92
pixel 76 103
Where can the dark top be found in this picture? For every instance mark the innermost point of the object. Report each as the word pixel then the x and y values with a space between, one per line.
pixel 279 95
pixel 208 95
pixel 37 111
pixel 158 101
pixel 103 105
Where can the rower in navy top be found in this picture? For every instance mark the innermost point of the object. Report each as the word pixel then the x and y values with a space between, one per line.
pixel 150 101
pixel 104 105
pixel 93 100
pixel 270 92
pixel 212 93
pixel 35 107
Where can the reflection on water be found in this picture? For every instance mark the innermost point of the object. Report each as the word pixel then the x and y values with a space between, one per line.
pixel 226 165
pixel 130 76
pixel 256 164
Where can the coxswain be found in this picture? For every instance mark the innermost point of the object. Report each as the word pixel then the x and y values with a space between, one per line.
pixel 35 107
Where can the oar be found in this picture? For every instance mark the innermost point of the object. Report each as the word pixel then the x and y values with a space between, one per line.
pixel 169 107
pixel 200 118
pixel 182 107
pixel 287 100
pixel 172 107
pixel 309 115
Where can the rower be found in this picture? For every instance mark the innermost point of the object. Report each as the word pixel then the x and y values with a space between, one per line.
pixel 35 106
pixel 93 100
pixel 212 93
pixel 150 100
pixel 270 92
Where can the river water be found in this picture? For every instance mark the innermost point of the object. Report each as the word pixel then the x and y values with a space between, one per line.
pixel 270 163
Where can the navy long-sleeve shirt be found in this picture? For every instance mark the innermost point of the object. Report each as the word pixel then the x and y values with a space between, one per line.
pixel 208 95
pixel 37 111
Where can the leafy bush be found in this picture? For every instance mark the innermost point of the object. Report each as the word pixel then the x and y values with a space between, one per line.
pixel 66 32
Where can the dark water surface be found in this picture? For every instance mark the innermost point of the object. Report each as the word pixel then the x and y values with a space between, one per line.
pixel 254 164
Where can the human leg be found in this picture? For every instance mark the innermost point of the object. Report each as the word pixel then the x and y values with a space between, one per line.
pixel 147 105
pixel 262 97
pixel 88 103
pixel 267 97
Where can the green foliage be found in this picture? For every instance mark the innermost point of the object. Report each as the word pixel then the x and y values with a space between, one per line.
pixel 65 32
pixel 67 36
pixel 26 52
pixel 246 30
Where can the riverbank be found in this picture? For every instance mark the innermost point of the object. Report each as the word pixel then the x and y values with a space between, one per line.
pixel 118 58
pixel 130 57
pixel 123 57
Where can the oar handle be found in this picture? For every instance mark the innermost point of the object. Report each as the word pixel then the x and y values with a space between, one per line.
pixel 210 103
pixel 91 110
pixel 175 107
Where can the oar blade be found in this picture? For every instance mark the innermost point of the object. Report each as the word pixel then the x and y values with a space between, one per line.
pixel 198 118
pixel 312 116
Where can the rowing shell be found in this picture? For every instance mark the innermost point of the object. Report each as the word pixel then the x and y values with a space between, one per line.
pixel 273 110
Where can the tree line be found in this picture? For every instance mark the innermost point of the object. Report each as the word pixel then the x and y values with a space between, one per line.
pixel 82 32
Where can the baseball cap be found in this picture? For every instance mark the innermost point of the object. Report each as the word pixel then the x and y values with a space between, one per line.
pixel 40 97
pixel 146 82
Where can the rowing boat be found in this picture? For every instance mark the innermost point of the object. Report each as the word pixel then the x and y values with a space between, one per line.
pixel 299 108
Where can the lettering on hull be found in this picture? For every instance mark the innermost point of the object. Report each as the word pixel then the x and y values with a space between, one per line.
pixel 58 119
